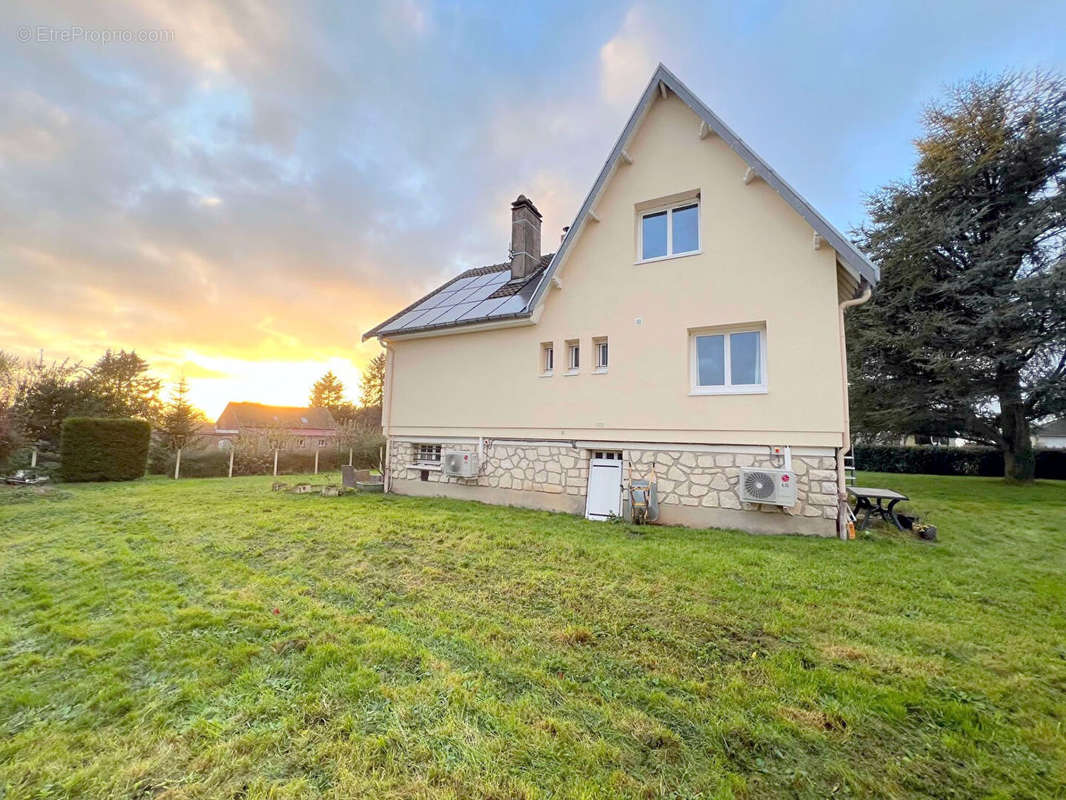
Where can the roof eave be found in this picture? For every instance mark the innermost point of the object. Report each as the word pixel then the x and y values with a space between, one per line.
pixel 468 326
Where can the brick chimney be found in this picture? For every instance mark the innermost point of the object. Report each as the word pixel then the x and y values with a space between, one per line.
pixel 525 237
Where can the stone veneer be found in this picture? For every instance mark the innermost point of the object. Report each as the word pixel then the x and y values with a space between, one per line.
pixel 694 488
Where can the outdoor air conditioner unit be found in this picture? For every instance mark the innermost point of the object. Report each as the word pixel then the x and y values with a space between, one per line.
pixel 459 464
pixel 770 486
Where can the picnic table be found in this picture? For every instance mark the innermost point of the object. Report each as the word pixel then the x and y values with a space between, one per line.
pixel 871 503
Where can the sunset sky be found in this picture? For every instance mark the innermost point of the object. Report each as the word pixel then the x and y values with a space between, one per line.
pixel 240 203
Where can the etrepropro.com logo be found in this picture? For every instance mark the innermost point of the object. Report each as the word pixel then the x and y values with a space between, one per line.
pixel 69 34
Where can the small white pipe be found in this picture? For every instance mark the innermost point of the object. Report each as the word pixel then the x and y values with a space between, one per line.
pixel 842 489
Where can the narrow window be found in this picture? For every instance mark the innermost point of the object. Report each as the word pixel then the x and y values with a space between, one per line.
pixel 428 454
pixel 547 358
pixel 573 355
pixel 671 231
pixel 729 362
pixel 599 350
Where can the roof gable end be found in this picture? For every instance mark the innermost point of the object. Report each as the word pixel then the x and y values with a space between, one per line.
pixel 663 80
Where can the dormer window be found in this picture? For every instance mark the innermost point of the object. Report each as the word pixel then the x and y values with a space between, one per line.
pixel 668 231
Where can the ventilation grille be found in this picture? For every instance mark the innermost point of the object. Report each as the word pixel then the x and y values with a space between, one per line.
pixel 759 485
pixel 768 486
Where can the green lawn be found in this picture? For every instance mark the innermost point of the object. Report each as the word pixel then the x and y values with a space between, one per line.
pixel 208 638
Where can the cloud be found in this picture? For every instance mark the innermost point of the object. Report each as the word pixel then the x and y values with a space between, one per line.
pixel 278 178
pixel 628 58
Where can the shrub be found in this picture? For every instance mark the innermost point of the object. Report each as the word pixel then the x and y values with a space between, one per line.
pixel 104 449
pixel 926 460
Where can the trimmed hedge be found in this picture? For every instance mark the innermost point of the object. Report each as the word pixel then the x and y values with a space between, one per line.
pixel 104 449
pixel 927 460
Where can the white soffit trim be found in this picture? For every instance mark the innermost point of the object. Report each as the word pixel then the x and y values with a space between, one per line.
pixel 853 260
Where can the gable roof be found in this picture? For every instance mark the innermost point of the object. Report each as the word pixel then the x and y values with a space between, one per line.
pixel 256 415
pixel 847 253
pixel 534 288
pixel 474 297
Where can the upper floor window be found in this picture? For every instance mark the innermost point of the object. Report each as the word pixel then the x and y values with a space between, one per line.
pixel 729 361
pixel 547 358
pixel 599 350
pixel 670 231
pixel 573 356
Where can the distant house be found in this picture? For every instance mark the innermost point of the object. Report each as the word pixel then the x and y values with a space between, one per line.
pixel 308 427
pixel 1051 436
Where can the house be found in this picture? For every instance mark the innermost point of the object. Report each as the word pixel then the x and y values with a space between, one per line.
pixel 304 428
pixel 1050 436
pixel 690 325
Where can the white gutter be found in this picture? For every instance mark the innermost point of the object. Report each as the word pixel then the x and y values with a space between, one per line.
pixel 842 489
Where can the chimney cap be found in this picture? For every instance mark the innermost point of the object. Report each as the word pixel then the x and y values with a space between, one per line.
pixel 525 201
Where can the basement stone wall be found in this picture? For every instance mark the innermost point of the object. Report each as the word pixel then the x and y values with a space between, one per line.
pixel 694 488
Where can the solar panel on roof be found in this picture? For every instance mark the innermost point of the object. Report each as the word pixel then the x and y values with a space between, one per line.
pixel 461 295
pixel 431 316
pixel 401 322
pixel 453 313
pixel 479 293
pixel 440 299
pixel 512 305
pixel 462 283
pixel 483 309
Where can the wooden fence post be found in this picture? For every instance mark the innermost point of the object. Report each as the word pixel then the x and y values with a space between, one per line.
pixel 33 458
pixel 349 456
pixel 316 461
pixel 177 465
pixel 275 462
pixel 231 449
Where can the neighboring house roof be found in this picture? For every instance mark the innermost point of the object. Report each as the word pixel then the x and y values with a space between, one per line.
pixel 662 81
pixel 257 415
pixel 481 294
pixel 1056 427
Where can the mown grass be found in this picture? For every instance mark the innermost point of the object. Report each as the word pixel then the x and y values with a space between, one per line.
pixel 208 638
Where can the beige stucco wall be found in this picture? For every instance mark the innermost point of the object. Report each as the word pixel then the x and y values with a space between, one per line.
pixel 757 265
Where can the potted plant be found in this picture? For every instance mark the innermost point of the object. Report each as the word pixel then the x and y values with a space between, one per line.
pixel 924 530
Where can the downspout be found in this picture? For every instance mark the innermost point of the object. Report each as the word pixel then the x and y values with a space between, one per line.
pixel 386 415
pixel 842 489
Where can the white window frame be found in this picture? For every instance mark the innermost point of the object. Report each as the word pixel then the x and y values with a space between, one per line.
pixel 600 367
pixel 670 208
pixel 547 359
pixel 728 387
pixel 573 356
pixel 434 458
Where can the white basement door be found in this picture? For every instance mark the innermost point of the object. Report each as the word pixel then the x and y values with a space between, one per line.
pixel 605 488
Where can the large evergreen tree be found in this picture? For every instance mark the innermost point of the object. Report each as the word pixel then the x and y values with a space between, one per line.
pixel 327 392
pixel 373 384
pixel 966 333
pixel 180 421
pixel 118 385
